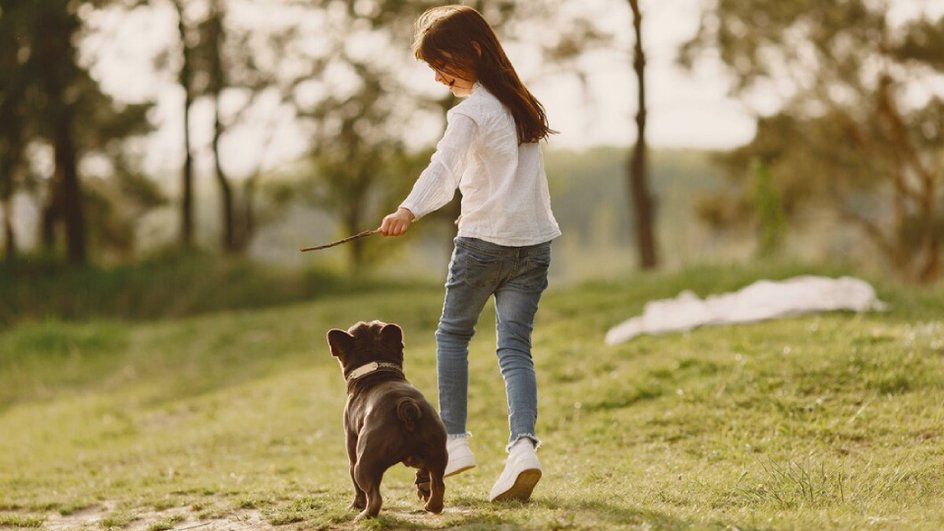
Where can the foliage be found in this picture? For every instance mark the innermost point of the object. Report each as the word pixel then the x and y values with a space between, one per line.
pixel 847 137
pixel 48 98
pixel 820 421
pixel 367 109
pixel 588 190
pixel 326 66
pixel 163 286
pixel 769 210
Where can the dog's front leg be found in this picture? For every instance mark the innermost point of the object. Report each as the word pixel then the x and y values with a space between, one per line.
pixel 422 483
pixel 437 488
pixel 360 498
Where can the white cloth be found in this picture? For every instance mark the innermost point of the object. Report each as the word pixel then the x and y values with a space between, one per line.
pixel 761 300
pixel 505 197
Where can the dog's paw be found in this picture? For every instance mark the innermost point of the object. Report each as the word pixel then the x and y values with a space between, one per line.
pixel 434 508
pixel 358 504
pixel 422 491
pixel 422 484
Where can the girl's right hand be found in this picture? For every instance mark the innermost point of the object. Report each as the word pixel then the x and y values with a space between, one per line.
pixel 396 224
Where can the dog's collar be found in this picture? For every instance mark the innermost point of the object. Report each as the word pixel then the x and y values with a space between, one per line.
pixel 373 366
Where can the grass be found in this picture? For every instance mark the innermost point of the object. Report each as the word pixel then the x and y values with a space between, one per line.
pixel 166 285
pixel 822 421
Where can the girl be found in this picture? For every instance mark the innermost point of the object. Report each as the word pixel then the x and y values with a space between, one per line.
pixel 489 152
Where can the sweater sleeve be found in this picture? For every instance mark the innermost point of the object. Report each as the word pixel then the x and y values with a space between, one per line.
pixel 437 184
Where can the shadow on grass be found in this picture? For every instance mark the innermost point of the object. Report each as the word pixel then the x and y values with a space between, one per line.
pixel 540 513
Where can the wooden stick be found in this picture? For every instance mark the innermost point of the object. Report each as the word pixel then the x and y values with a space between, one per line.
pixel 339 242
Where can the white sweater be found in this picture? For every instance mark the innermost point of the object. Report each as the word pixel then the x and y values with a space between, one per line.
pixel 505 199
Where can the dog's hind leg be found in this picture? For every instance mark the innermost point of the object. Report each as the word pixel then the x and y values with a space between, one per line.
pixel 360 499
pixel 368 476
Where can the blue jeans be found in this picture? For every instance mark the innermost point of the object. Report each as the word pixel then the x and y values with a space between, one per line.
pixel 516 276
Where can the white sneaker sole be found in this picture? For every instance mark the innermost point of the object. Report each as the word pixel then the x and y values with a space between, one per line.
pixel 459 471
pixel 461 466
pixel 523 486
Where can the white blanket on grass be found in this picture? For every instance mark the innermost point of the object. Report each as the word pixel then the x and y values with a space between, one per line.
pixel 764 299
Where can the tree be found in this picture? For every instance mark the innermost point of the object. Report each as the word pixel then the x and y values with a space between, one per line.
pixel 359 125
pixel 356 156
pixel 51 100
pixel 847 136
pixel 214 39
pixel 225 61
pixel 52 27
pixel 12 116
pixel 639 168
pixel 186 82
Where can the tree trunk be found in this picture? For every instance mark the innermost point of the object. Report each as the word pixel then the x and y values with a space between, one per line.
pixel 71 193
pixel 9 237
pixel 638 169
pixel 353 215
pixel 48 221
pixel 352 225
pixel 217 82
pixel 226 191
pixel 247 224
pixel 186 82
pixel 9 162
pixel 931 270
pixel 57 54
pixel 9 251
pixel 11 130
pixel 925 257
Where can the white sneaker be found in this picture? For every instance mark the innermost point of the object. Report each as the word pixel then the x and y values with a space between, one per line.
pixel 522 472
pixel 460 456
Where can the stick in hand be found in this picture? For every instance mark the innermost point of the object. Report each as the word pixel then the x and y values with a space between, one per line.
pixel 345 240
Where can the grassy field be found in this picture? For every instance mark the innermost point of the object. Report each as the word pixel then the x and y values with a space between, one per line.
pixel 231 419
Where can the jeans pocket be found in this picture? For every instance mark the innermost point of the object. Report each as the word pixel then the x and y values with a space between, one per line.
pixel 480 271
pixel 533 272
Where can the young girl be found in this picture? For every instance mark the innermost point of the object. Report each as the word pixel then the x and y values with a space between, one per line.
pixel 489 152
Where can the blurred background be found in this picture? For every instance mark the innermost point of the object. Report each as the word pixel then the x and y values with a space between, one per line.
pixel 151 147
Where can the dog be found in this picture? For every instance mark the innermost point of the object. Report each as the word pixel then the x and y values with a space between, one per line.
pixel 386 420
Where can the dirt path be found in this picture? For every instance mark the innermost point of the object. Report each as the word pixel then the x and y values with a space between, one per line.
pixel 177 518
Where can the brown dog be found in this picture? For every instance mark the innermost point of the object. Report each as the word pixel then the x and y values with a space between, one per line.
pixel 386 420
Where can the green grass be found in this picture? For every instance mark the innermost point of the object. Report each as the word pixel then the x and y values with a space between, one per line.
pixel 823 421
pixel 167 285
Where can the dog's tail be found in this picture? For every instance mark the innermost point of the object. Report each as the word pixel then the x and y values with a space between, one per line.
pixel 408 411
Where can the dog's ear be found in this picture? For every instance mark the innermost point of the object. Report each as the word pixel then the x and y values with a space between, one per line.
pixel 340 342
pixel 392 335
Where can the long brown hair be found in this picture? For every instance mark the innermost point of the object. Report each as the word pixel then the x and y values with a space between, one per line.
pixel 457 40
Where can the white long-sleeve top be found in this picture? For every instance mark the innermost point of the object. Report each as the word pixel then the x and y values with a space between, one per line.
pixel 505 197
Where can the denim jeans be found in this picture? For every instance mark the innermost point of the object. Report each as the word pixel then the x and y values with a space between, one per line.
pixel 516 276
